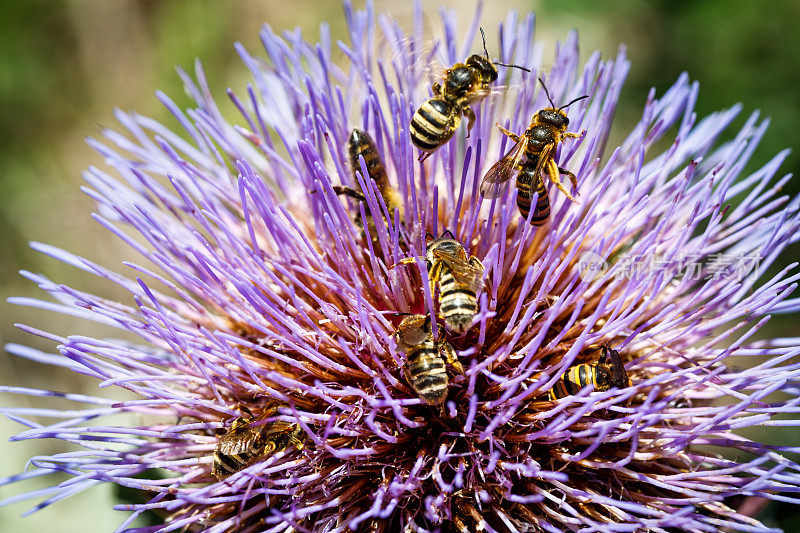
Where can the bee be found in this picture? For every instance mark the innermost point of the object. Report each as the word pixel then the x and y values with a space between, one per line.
pixel 426 358
pixel 464 84
pixel 249 438
pixel 361 144
pixel 608 372
pixel 533 154
pixel 458 277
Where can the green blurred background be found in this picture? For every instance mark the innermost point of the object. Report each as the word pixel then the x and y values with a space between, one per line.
pixel 64 66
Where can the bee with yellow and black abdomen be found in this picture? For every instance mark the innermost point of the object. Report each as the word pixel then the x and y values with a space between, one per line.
pixel 464 84
pixel 425 368
pixel 606 373
pixel 359 146
pixel 527 179
pixel 252 437
pixel 458 276
pixel 362 145
pixel 532 155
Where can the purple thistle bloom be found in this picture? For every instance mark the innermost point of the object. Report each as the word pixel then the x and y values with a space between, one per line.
pixel 258 288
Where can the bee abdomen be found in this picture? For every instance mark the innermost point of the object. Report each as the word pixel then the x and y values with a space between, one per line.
pixel 361 144
pixel 457 304
pixel 432 124
pixel 225 465
pixel 427 372
pixel 573 380
pixel 524 181
pixel 542 212
pixel 526 178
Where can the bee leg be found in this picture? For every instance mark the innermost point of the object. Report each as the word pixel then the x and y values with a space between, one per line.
pixel 436 88
pixel 474 262
pixel 244 409
pixel 573 135
pixel 461 526
pixel 407 375
pixel 352 193
pixel 269 449
pixel 470 114
pixel 406 261
pixel 552 171
pixel 571 177
pixel 296 442
pixel 449 354
pixel 514 137
pixel 435 272
pixel 455 123
pixel 271 410
pixel 423 156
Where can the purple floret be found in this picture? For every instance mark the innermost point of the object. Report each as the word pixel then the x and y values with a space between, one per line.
pixel 255 287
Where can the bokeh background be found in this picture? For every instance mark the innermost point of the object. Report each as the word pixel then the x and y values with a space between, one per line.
pixel 66 64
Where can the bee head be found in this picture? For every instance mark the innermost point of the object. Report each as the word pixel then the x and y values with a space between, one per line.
pixel 484 66
pixel 554 117
pixel 446 245
pixel 612 359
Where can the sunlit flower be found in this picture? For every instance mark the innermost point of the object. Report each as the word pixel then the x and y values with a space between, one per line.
pixel 257 290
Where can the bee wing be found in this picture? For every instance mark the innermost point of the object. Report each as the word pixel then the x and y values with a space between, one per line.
pixel 502 89
pixel 543 158
pixel 618 374
pixel 467 274
pixel 483 92
pixel 420 59
pixel 493 184
pixel 463 272
pixel 237 442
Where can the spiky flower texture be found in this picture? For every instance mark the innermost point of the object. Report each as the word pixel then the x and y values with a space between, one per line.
pixel 262 292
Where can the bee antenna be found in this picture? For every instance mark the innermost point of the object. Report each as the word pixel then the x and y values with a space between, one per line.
pixel 515 66
pixel 429 235
pixel 606 350
pixel 546 92
pixel 486 53
pixel 573 101
pixel 446 232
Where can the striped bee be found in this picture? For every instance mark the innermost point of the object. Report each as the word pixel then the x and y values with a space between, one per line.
pixel 527 178
pixel 533 154
pixel 608 372
pixel 438 118
pixel 361 144
pixel 426 358
pixel 458 277
pixel 251 437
